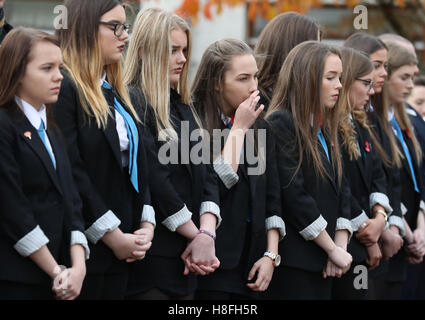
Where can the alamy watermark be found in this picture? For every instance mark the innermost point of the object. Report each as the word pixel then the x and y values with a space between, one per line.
pixel 61 21
pixel 198 147
pixel 361 21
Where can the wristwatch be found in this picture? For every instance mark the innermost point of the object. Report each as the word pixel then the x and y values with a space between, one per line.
pixel 275 258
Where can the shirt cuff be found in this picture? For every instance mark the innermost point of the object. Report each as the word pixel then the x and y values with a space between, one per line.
pixel 357 221
pixel 104 224
pixel 381 199
pixel 212 207
pixel 313 230
pixel 226 173
pixel 177 219
pixel 403 209
pixel 31 242
pixel 398 222
pixel 344 224
pixel 276 222
pixel 148 215
pixel 77 237
pixel 422 206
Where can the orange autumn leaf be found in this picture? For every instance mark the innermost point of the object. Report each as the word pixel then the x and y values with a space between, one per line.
pixel 207 11
pixel 252 11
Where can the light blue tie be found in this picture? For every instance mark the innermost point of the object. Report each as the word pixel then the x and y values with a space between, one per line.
pixel 323 142
pixel 133 137
pixel 42 135
pixel 400 137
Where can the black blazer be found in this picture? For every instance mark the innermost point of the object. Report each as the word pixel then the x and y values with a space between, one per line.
pixel 366 176
pixel 33 193
pixel 174 185
pixel 102 182
pixel 255 195
pixel 305 198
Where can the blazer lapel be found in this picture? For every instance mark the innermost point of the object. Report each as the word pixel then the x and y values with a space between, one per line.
pixel 362 162
pixel 328 164
pixel 30 135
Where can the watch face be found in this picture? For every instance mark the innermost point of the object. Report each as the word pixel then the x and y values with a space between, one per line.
pixel 277 260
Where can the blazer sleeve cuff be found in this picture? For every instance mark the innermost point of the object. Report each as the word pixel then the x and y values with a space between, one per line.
pixel 148 215
pixel 77 237
pixel 313 230
pixel 211 207
pixel 381 199
pixel 344 224
pixel 101 226
pixel 403 209
pixel 225 172
pixel 177 219
pixel 398 222
pixel 276 222
pixel 31 242
pixel 357 221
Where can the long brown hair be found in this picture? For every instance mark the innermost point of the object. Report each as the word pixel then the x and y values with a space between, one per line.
pixel 370 44
pixel 15 54
pixel 277 39
pixel 298 91
pixel 83 57
pixel 215 62
pixel 398 57
pixel 355 65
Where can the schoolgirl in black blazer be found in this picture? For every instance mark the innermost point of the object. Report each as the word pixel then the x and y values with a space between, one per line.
pixel 184 244
pixel 316 206
pixel 108 159
pixel 250 200
pixel 41 224
pixel 363 169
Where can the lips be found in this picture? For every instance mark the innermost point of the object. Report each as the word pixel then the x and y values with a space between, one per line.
pixel 121 48
pixel 178 70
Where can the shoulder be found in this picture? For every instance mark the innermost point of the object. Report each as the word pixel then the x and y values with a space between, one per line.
pixel 281 121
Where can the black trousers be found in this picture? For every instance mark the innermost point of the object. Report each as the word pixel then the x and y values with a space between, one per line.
pixel 344 288
pixel 10 290
pixel 157 294
pixel 104 287
pixel 296 284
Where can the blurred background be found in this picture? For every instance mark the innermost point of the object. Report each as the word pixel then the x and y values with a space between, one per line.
pixel 244 19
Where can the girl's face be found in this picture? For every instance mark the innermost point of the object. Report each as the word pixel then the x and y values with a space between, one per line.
pixel 240 81
pixel 380 62
pixel 178 56
pixel 417 99
pixel 361 91
pixel 331 84
pixel 42 79
pixel 112 46
pixel 400 83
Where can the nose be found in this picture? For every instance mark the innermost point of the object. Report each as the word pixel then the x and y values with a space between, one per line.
pixel 124 36
pixel 253 86
pixel 410 84
pixel 384 73
pixel 338 84
pixel 181 58
pixel 371 92
pixel 58 75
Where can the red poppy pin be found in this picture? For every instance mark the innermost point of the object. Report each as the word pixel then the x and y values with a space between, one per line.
pixel 28 134
pixel 408 133
pixel 367 146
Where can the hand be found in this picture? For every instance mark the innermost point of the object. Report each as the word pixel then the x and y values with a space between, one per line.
pixel 370 231
pixel 131 247
pixel 146 236
pixel 67 285
pixel 341 258
pixel 391 242
pixel 374 256
pixel 199 256
pixel 246 114
pixel 264 269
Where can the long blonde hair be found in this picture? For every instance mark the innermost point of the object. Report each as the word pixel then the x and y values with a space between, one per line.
pixel 83 58
pixel 147 64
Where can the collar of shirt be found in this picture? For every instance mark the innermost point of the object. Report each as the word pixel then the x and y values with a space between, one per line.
pixel 226 120
pixel 33 115
pixel 103 79
pixel 391 114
